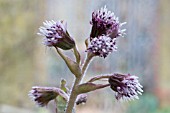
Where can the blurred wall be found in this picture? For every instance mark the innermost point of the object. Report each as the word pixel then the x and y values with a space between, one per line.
pixel 18 49
pixel 163 53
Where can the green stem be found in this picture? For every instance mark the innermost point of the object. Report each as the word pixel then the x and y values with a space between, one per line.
pixel 60 53
pixel 72 65
pixel 56 105
pixel 74 94
pixel 77 54
pixel 99 77
pixel 60 105
pixel 86 63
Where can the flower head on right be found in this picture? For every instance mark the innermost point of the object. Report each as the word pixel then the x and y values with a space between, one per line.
pixel 127 87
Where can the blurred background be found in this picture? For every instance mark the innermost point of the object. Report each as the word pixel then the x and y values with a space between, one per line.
pixel 25 61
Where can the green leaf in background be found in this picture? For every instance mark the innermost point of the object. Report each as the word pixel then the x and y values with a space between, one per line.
pixel 146 104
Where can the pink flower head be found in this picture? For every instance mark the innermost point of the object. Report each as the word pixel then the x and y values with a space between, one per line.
pixel 104 22
pixel 102 46
pixel 56 34
pixel 127 87
pixel 43 95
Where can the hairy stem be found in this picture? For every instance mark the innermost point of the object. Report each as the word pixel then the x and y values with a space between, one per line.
pixel 99 77
pixel 74 94
pixel 86 63
pixel 77 55
pixel 88 87
pixel 56 110
pixel 72 65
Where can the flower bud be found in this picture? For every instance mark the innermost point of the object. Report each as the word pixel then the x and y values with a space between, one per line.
pixel 42 95
pixel 104 22
pixel 56 35
pixel 81 99
pixel 127 87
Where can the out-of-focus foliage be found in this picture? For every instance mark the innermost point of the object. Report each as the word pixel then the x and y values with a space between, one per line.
pixel 17 49
pixel 148 103
pixel 163 110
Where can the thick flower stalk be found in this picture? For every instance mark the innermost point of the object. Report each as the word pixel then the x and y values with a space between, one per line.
pixel 56 35
pixel 102 46
pixel 127 87
pixel 104 22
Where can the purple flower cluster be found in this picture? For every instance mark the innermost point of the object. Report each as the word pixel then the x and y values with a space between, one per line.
pixel 102 46
pixel 104 24
pixel 56 35
pixel 127 87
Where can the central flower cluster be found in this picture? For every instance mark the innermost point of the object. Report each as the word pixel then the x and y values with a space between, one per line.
pixel 102 46
pixel 104 25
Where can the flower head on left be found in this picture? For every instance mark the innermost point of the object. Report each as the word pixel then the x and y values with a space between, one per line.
pixel 43 95
pixel 56 34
